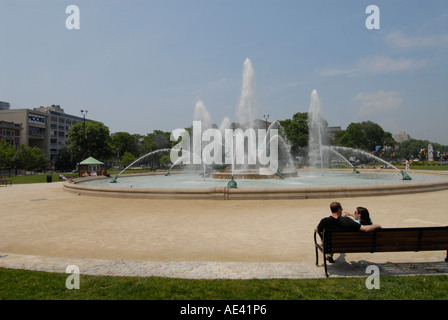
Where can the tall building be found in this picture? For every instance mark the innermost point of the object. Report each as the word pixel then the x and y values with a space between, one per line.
pixel 60 124
pixel 402 136
pixel 10 132
pixel 331 132
pixel 35 130
pixel 4 105
pixel 45 127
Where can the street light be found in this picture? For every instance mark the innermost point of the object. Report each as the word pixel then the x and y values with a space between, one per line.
pixel 266 117
pixel 84 114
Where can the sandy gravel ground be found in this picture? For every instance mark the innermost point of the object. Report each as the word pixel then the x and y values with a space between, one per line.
pixel 44 220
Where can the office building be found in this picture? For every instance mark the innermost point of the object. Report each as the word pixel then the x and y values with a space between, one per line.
pixel 60 124
pixel 10 132
pixel 4 105
pixel 35 130
pixel 45 127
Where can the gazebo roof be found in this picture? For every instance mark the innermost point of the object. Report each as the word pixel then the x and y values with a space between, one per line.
pixel 90 160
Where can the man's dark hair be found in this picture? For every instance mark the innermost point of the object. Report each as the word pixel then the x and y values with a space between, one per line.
pixel 335 206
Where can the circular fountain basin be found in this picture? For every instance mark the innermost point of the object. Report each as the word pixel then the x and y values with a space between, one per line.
pixel 254 173
pixel 307 185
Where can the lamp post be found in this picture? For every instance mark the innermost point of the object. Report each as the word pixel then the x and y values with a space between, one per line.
pixel 266 117
pixel 84 114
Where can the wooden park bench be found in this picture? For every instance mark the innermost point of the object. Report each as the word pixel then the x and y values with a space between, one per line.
pixel 6 182
pixel 381 240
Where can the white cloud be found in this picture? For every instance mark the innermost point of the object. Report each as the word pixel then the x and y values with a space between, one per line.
pixel 376 65
pixel 381 64
pixel 397 39
pixel 380 102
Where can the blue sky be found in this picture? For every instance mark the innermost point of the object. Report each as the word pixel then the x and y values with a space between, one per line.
pixel 138 66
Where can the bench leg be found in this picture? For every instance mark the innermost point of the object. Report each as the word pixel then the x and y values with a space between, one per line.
pixel 325 263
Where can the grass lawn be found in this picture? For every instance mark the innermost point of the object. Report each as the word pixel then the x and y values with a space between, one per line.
pixel 33 178
pixel 35 285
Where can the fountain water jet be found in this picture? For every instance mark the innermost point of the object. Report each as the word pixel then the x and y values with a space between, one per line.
pixel 404 174
pixel 316 136
pixel 341 156
pixel 114 179
pixel 247 107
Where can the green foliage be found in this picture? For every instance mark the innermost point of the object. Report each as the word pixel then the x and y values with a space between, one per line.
pixel 31 158
pixel 296 130
pixel 127 159
pixel 65 160
pixel 21 157
pixel 7 153
pixel 412 149
pixel 156 141
pixel 365 135
pixel 96 142
pixel 125 142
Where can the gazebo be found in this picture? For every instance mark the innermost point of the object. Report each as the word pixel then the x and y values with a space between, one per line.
pixel 90 166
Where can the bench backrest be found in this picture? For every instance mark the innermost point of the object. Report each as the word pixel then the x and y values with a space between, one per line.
pixel 386 240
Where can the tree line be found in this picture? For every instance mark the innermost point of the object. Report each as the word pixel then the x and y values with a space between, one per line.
pixel 13 158
pixel 367 136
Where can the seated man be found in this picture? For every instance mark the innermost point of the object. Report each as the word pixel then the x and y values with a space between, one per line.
pixel 335 221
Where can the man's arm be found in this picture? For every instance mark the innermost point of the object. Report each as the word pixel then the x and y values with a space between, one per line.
pixel 369 228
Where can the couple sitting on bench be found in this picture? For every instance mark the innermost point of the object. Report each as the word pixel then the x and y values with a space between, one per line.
pixel 340 234
pixel 340 221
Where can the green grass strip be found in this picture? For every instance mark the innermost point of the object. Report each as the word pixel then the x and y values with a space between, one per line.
pixel 36 285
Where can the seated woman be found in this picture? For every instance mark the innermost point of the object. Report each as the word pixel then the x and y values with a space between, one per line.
pixel 361 216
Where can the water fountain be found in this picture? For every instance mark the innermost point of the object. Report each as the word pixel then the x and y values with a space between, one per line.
pixel 114 179
pixel 317 137
pixel 251 152
pixel 254 178
pixel 369 155
pixel 316 132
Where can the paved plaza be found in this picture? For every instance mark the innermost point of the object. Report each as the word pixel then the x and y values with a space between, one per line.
pixel 46 228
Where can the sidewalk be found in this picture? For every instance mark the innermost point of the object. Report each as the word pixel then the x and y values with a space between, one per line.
pixel 45 228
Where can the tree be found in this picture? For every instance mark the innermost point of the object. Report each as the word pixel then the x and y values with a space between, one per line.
pixel 165 160
pixel 156 141
pixel 296 130
pixel 365 135
pixel 65 160
pixel 96 141
pixel 353 137
pixel 124 142
pixel 31 158
pixel 7 155
pixel 127 159
pixel 413 149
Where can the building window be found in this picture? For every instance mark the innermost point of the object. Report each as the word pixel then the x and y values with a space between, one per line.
pixel 7 133
pixel 36 131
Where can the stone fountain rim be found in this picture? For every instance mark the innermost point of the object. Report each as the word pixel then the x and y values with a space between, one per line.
pixel 224 193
